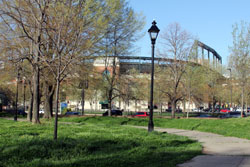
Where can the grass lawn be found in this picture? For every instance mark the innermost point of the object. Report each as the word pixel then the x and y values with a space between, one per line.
pixel 11 115
pixel 237 127
pixel 95 141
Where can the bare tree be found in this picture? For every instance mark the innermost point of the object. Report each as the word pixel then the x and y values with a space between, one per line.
pixel 177 44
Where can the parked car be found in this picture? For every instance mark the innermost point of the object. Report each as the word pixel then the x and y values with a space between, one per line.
pixel 41 111
pixel 232 115
pixel 21 112
pixel 248 109
pixel 225 110
pixel 113 112
pixel 170 110
pixel 207 110
pixel 245 110
pixel 140 114
pixel 200 109
pixel 72 113
pixel 204 115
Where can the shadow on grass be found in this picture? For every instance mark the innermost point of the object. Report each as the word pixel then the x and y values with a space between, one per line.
pixel 138 121
pixel 67 152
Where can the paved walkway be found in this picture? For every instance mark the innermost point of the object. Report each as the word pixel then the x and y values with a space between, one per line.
pixel 220 151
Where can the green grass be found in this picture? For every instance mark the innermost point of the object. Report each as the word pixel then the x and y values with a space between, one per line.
pixel 237 127
pixel 93 141
pixel 9 114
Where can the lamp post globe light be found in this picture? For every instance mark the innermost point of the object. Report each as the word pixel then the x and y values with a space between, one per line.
pixel 153 33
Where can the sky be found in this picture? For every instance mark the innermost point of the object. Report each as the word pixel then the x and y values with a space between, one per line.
pixel 209 21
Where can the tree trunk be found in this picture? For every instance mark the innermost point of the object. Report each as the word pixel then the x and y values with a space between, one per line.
pixel 246 105
pixel 48 102
pixel 161 108
pixel 36 83
pixel 135 105
pixel 110 102
pixel 189 106
pixel 120 105
pixel 30 111
pixel 242 101
pixel 173 103
pixel 184 106
pixel 213 105
pixel 83 100
pixel 91 103
pixel 51 103
pixel 57 101
pixel 96 101
pixel 36 100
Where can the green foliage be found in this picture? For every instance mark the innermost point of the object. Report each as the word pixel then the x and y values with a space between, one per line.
pixel 240 57
pixel 237 127
pixel 66 110
pixel 93 142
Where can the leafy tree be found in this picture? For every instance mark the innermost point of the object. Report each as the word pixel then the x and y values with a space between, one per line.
pixel 194 82
pixel 134 86
pixel 123 27
pixel 24 23
pixel 240 57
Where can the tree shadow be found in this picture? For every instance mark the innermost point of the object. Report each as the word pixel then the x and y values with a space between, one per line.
pixel 101 152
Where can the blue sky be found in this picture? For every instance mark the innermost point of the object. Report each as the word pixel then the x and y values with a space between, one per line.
pixel 210 21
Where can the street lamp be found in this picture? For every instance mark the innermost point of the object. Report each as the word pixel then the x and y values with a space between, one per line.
pixel 153 33
pixel 230 70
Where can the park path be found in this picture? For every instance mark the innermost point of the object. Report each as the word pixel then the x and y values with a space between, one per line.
pixel 220 151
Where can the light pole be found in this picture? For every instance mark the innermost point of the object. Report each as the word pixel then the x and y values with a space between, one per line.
pixel 153 33
pixel 230 70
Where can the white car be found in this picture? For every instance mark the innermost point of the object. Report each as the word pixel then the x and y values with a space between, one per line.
pixel 41 111
pixel 196 110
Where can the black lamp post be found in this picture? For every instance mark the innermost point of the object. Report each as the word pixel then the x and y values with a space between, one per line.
pixel 230 70
pixel 153 33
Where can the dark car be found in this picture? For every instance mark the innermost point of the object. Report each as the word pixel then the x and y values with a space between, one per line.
pixel 21 112
pixel 207 110
pixel 233 115
pixel 140 114
pixel 248 109
pixel 204 115
pixel 113 112
pixel 72 113
pixel 170 110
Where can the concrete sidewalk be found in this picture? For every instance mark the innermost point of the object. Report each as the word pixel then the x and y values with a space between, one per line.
pixel 220 151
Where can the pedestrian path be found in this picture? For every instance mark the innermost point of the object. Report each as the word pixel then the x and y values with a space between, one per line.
pixel 220 151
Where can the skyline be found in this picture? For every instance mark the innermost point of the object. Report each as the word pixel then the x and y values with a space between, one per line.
pixel 211 23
